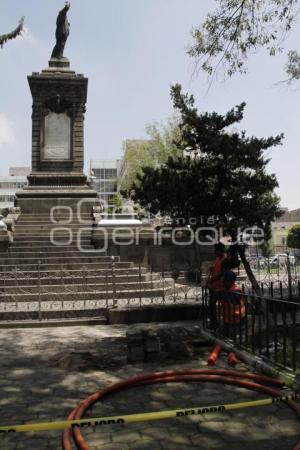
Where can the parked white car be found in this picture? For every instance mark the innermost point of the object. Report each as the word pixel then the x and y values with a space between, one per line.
pixel 282 258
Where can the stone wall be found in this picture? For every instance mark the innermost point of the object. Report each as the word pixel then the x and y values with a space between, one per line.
pixel 157 257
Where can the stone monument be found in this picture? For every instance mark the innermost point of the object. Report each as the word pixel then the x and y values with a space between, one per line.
pixel 59 104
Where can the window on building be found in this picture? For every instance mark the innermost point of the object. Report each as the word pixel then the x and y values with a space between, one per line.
pixel 7 198
pixel 110 186
pixel 105 174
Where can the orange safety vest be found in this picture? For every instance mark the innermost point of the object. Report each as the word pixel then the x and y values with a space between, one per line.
pixel 216 279
pixel 234 311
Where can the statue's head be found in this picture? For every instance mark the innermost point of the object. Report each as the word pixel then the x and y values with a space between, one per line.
pixel 68 5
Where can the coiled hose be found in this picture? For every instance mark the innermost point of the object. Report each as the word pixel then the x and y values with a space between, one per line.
pixel 230 377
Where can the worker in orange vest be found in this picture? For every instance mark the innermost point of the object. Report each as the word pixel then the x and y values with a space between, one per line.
pixel 215 279
pixel 233 302
pixel 215 283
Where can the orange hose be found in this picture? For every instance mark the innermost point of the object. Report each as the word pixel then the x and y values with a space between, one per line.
pixel 232 359
pixel 217 376
pixel 213 357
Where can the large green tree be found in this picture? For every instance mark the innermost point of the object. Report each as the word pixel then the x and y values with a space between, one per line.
pixel 293 238
pixel 223 175
pixel 13 34
pixel 238 28
pixel 150 152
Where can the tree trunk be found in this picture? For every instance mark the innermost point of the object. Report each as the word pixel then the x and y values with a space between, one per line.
pixel 258 303
pixel 249 272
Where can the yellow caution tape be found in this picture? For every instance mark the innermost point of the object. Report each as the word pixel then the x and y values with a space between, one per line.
pixel 132 418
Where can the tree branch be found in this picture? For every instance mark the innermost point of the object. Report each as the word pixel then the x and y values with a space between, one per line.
pixel 9 36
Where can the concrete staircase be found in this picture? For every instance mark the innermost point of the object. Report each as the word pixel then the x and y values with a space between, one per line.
pixel 51 272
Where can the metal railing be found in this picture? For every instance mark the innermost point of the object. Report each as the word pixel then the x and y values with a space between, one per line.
pixel 270 327
pixel 281 268
pixel 93 291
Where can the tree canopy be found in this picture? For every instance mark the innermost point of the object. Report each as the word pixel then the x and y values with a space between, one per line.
pixel 293 238
pixel 151 152
pixel 237 28
pixel 13 34
pixel 221 173
pixel 117 203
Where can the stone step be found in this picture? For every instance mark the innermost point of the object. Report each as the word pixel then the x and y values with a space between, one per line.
pixel 6 276
pixel 83 223
pixel 57 236
pixel 67 266
pixel 62 230
pixel 32 228
pixel 47 216
pixel 48 219
pixel 61 220
pixel 78 280
pixel 55 253
pixel 46 226
pixel 80 257
pixel 46 241
pixel 29 319
pixel 82 288
pixel 30 223
pixel 64 241
pixel 77 296
pixel 23 249
pixel 17 320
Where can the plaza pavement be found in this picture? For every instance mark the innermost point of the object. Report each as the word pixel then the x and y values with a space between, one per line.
pixel 42 378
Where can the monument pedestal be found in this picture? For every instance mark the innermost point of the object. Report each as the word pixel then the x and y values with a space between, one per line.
pixel 57 179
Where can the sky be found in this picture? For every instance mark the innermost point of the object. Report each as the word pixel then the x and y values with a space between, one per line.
pixel 132 51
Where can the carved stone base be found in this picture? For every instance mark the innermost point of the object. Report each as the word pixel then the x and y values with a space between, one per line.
pixel 46 190
pixel 34 201
pixel 59 64
pixel 57 180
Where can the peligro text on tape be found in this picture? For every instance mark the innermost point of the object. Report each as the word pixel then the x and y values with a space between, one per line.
pixel 132 418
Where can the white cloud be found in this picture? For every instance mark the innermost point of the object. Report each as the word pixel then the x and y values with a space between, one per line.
pixel 29 38
pixel 7 131
pixel 26 37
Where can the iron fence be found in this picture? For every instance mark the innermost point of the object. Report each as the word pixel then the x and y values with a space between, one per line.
pixel 57 293
pixel 281 270
pixel 270 327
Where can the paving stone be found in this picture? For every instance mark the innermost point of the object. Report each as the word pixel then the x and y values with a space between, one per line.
pixel 7 445
pixel 42 392
pixel 208 442
pixel 97 437
pixel 27 444
pixel 114 446
pixel 212 426
pixel 127 437
pixel 153 432
pixel 287 427
pixel 151 444
pixel 175 441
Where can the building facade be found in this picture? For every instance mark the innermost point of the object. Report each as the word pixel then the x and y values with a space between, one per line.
pixel 281 227
pixel 104 176
pixel 12 183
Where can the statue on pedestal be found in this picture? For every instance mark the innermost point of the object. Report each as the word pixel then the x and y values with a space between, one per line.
pixel 62 32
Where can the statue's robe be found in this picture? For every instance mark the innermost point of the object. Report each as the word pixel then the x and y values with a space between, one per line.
pixel 62 33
